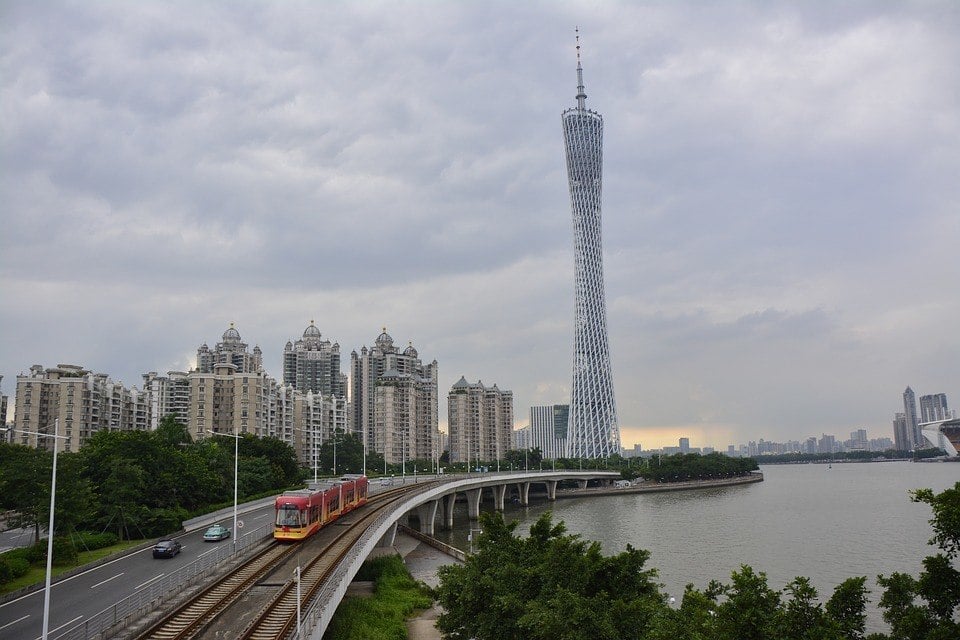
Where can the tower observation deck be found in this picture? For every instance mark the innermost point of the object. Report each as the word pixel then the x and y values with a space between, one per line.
pixel 594 430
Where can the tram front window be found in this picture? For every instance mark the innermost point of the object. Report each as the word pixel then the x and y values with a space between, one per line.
pixel 288 516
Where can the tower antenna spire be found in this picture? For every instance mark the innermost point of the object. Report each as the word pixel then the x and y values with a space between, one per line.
pixel 581 93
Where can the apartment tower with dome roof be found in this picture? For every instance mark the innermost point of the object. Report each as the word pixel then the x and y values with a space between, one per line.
pixel 394 401
pixel 312 363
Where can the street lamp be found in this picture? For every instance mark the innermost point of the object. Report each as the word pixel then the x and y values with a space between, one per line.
pixel 53 504
pixel 236 458
pixel 296 573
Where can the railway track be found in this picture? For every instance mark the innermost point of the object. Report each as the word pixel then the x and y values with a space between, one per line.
pixel 279 618
pixel 191 618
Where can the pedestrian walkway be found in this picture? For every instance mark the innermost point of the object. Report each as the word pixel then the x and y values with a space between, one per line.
pixel 422 561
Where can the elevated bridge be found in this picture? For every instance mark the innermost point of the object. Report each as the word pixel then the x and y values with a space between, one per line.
pixel 432 502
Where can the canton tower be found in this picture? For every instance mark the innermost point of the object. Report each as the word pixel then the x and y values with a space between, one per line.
pixel 594 431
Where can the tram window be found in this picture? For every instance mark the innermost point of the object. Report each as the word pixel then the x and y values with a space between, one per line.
pixel 288 517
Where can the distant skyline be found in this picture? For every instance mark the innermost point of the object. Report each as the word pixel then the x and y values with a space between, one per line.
pixel 780 197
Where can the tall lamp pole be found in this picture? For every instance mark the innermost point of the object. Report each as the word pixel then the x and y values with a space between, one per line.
pixel 53 504
pixel 236 458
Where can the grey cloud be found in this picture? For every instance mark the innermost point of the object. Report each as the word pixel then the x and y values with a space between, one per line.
pixel 780 188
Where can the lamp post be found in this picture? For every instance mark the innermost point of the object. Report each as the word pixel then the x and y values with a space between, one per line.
pixel 53 504
pixel 315 460
pixel 296 573
pixel 236 458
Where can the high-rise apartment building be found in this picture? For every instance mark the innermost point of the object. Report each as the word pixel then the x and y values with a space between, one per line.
pixel 934 407
pixel 169 396
pixel 594 427
pixel 312 363
pixel 901 435
pixel 3 413
pixel 232 350
pixel 548 429
pixel 70 401
pixel 480 421
pixel 394 401
pixel 237 399
pixel 912 418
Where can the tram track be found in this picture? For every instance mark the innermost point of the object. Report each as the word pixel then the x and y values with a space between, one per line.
pixel 190 619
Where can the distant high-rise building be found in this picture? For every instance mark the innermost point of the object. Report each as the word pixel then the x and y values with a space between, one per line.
pixel 394 400
pixel 901 434
pixel 548 429
pixel 934 407
pixel 3 414
pixel 313 364
pixel 859 440
pixel 594 427
pixel 685 445
pixel 480 421
pixel 75 403
pixel 913 422
pixel 827 444
pixel 233 351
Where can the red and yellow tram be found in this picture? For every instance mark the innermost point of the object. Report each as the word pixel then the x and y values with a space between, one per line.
pixel 301 513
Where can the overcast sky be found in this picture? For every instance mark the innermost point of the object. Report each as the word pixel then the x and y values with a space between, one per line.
pixel 781 206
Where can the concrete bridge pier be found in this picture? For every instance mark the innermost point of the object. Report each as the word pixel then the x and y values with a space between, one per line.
pixel 473 503
pixel 551 489
pixel 388 538
pixel 427 512
pixel 446 504
pixel 524 488
pixel 582 484
pixel 499 492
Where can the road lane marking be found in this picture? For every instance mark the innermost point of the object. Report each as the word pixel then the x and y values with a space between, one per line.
pixel 149 581
pixel 206 552
pixel 266 515
pixel 15 621
pixel 106 581
pixel 60 627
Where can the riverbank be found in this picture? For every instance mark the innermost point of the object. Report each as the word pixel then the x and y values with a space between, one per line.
pixel 649 486
pixel 423 559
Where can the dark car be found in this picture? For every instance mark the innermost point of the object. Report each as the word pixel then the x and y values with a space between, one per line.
pixel 166 549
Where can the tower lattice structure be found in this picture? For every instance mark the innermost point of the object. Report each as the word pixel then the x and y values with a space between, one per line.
pixel 594 430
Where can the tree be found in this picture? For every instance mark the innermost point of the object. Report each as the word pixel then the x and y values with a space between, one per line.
pixel 927 608
pixel 349 448
pixel 550 585
pixel 25 485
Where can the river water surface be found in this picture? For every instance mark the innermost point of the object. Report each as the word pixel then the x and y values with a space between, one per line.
pixel 824 522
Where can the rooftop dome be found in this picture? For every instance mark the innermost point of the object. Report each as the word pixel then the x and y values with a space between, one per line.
pixel 384 341
pixel 410 351
pixel 311 331
pixel 231 334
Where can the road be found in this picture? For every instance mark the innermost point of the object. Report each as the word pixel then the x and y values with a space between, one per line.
pixel 77 598
pixel 13 538
pixel 86 594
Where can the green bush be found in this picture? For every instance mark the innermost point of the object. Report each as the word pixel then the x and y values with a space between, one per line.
pixel 382 616
pixel 37 553
pixel 12 566
pixel 160 522
pixel 88 541
pixel 22 553
pixel 64 551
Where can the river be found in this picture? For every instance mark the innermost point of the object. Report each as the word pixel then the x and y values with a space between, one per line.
pixel 825 522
